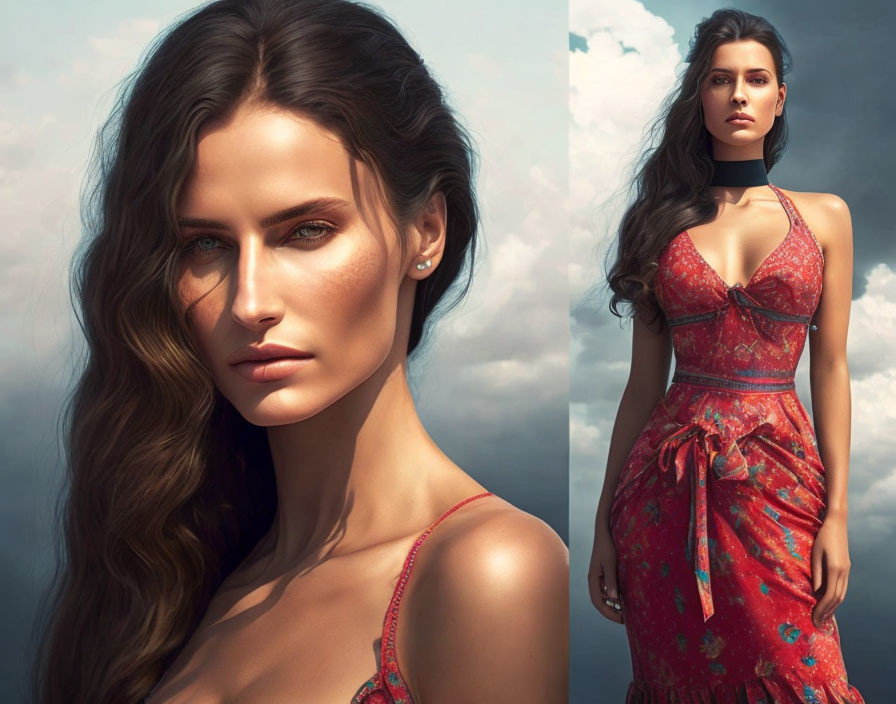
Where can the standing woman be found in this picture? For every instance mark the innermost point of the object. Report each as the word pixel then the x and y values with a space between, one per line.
pixel 255 512
pixel 720 537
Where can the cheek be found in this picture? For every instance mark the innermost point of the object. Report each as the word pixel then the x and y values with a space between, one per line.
pixel 714 109
pixel 206 294
pixel 351 302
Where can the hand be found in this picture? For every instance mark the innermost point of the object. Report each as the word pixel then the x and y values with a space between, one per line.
pixel 830 567
pixel 602 576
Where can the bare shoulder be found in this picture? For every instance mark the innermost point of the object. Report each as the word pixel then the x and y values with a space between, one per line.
pixel 489 615
pixel 498 546
pixel 826 214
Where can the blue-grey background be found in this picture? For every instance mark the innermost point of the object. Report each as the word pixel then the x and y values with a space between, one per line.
pixel 492 388
pixel 623 60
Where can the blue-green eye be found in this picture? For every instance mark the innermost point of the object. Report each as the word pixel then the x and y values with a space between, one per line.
pixel 194 245
pixel 311 231
pixel 305 234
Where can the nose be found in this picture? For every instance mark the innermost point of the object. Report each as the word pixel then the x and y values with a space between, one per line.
pixel 256 304
pixel 739 94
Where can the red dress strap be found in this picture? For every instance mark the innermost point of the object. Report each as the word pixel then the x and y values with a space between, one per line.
pixel 388 677
pixel 387 649
pixel 796 218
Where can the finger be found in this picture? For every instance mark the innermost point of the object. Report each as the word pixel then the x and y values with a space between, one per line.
pixel 824 604
pixel 816 570
pixel 833 595
pixel 835 600
pixel 598 591
pixel 612 609
pixel 611 605
pixel 841 591
pixel 821 607
pixel 610 581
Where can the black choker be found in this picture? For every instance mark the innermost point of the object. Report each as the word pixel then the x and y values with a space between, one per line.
pixel 746 172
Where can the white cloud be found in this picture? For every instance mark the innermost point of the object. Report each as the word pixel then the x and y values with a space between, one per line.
pixel 583 435
pixel 107 58
pixel 43 153
pixel 872 337
pixel 872 326
pixel 508 341
pixel 615 88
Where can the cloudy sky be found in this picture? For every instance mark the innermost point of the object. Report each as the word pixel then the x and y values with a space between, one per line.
pixel 492 388
pixel 623 60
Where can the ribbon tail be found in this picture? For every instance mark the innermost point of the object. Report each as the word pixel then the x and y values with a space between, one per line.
pixel 683 453
pixel 701 557
pixel 691 551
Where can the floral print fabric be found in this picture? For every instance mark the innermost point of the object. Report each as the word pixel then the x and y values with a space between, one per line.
pixel 720 499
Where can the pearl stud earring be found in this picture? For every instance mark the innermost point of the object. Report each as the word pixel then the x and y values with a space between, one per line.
pixel 424 265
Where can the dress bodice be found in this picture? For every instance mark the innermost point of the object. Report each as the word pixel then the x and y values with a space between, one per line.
pixel 743 334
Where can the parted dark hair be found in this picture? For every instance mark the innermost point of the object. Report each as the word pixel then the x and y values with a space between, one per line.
pixel 672 184
pixel 167 487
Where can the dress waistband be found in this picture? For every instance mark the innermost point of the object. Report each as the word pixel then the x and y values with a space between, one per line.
pixel 767 384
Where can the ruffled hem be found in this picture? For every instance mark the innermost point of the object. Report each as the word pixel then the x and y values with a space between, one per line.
pixel 762 690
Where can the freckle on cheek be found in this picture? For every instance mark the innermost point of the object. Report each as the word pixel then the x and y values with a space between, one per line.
pixel 360 280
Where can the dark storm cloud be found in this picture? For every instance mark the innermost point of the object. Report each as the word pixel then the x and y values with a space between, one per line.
pixel 601 351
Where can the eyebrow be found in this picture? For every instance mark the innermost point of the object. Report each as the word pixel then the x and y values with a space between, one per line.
pixel 275 219
pixel 749 70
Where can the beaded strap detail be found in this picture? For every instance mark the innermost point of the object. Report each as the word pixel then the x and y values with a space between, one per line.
pixel 795 214
pixel 371 692
pixel 392 614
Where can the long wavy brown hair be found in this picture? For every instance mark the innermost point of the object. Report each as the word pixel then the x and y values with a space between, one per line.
pixel 672 184
pixel 167 487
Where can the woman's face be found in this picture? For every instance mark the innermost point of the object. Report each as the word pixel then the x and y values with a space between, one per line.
pixel 741 79
pixel 302 253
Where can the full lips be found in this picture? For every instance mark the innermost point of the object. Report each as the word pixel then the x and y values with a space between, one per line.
pixel 270 369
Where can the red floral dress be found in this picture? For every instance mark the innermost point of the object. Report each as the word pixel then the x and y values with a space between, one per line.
pixel 721 497
pixel 387 686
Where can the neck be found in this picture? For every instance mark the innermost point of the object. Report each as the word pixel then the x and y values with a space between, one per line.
pixel 731 152
pixel 343 474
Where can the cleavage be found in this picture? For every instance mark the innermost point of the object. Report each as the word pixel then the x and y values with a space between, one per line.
pixel 737 244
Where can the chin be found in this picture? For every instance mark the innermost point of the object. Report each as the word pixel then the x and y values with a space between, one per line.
pixel 285 403
pixel 267 418
pixel 298 397
pixel 276 403
pixel 740 138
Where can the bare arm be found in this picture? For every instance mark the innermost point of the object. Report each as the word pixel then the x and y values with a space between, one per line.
pixel 828 369
pixel 648 376
pixel 647 380
pixel 831 405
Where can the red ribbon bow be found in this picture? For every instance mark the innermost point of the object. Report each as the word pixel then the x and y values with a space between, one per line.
pixel 692 449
